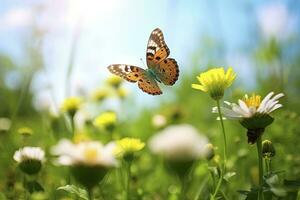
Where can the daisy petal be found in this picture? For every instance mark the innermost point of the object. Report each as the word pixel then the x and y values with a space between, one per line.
pixel 244 107
pixel 275 107
pixel 264 101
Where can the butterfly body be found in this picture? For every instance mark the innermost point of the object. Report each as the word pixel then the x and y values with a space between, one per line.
pixel 151 73
pixel 160 68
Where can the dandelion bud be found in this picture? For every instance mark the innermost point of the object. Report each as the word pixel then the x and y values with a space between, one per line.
pixel 268 149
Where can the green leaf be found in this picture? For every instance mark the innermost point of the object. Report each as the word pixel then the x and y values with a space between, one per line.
pixel 279 192
pixel 33 186
pixel 75 190
pixel 228 175
pixel 273 180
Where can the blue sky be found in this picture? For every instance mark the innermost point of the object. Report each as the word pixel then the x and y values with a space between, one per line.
pixel 117 32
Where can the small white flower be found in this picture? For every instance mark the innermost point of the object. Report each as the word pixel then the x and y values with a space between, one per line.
pixel 248 107
pixel 179 142
pixel 29 153
pixel 159 121
pixel 90 153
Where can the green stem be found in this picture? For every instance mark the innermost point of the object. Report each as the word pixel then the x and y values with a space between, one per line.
pixel 24 185
pixel 90 193
pixel 223 131
pixel 72 125
pixel 267 164
pixel 223 168
pixel 260 167
pixel 218 185
pixel 128 164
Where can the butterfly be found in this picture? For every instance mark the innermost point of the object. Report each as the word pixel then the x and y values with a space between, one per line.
pixel 160 68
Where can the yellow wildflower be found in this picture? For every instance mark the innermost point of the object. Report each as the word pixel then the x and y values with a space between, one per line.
pixel 215 81
pixel 71 105
pixel 128 146
pixel 25 131
pixel 106 120
pixel 122 93
pixel 114 81
pixel 100 94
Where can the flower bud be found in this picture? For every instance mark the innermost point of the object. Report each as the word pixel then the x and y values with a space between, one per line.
pixel 209 151
pixel 268 150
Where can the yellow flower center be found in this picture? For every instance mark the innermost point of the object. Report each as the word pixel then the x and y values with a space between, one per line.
pixel 253 101
pixel 91 154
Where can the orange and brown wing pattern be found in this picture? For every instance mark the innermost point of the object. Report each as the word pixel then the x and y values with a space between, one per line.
pixel 157 49
pixel 127 72
pixel 149 85
pixel 136 74
pixel 168 71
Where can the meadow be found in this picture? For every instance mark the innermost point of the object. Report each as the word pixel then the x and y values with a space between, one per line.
pixel 220 132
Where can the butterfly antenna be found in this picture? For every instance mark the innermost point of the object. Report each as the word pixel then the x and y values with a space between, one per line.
pixel 143 62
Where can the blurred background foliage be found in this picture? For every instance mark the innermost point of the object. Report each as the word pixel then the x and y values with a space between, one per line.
pixel 270 60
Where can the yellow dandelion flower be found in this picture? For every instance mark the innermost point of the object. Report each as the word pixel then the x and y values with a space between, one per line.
pixel 25 131
pixel 114 81
pixel 215 81
pixel 128 146
pixel 106 120
pixel 71 105
pixel 100 94
pixel 122 93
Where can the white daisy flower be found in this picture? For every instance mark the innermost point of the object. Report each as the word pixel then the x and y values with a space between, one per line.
pixel 159 121
pixel 251 106
pixel 179 142
pixel 87 153
pixel 29 153
pixel 30 159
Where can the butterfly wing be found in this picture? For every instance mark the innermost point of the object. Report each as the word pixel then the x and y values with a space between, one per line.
pixel 149 85
pixel 168 71
pixel 127 72
pixel 136 74
pixel 165 68
pixel 157 49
